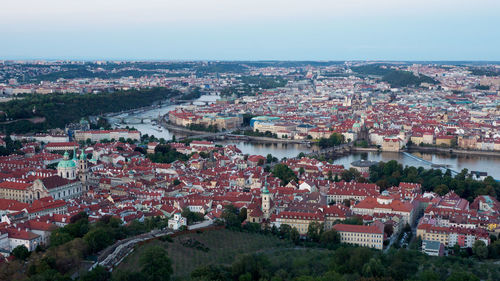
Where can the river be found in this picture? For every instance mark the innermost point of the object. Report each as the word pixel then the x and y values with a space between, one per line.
pixel 488 164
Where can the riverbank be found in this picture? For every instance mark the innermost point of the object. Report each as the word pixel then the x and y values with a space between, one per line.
pixel 267 140
pixel 365 149
pixel 451 151
pixel 471 160
pixel 227 135
pixel 180 129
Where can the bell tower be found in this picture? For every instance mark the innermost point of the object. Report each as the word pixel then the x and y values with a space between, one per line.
pixel 266 202
pixel 83 169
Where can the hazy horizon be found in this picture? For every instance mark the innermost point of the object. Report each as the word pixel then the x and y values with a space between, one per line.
pixel 229 30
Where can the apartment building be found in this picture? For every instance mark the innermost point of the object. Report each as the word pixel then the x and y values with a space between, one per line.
pixel 364 235
pixel 298 220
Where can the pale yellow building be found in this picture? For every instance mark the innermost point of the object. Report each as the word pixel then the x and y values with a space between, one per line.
pixel 363 235
pixel 298 220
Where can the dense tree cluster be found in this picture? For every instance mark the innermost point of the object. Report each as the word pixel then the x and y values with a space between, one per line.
pixel 233 217
pixel 392 173
pixel 165 154
pixel 346 263
pixel 11 146
pixel 256 133
pixel 202 127
pixel 396 78
pixel 252 85
pixel 333 140
pixel 61 109
pixel 192 217
pixel 70 245
pixel 284 173
pixel 404 79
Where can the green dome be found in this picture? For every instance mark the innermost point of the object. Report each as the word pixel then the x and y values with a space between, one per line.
pixel 66 164
pixel 83 156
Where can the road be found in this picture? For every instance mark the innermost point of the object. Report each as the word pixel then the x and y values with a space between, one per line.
pixel 114 254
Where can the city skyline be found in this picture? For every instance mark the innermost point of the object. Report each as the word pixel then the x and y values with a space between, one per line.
pixel 224 30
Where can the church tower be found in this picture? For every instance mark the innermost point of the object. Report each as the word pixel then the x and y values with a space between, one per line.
pixel 266 202
pixel 83 169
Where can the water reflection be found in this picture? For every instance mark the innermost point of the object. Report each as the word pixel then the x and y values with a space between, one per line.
pixel 491 165
pixel 488 164
pixel 278 150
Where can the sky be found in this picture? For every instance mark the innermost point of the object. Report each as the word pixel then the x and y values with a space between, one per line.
pixel 250 30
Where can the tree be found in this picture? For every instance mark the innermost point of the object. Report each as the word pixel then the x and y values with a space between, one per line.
pixel 21 252
pixel 121 275
pixel 98 239
pixel 155 263
pixel 230 214
pixel 336 179
pixel 99 273
pixel 441 189
pixel 333 140
pixel 373 268
pixel 462 276
pixel 284 173
pixel 269 158
pixel 294 235
pixel 243 214
pixel 210 272
pixel 314 231
pixel 301 171
pixel 346 175
pixel 330 237
pixel 330 175
pixel 59 237
pixel 480 250
pixel 192 217
pixel 284 231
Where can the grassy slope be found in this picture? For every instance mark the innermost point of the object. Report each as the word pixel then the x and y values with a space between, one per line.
pixel 224 247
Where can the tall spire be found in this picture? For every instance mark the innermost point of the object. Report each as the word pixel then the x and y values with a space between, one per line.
pixel 265 190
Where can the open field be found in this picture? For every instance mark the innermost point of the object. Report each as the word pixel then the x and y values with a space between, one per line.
pixel 223 248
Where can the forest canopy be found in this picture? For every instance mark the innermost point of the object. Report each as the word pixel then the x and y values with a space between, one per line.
pixel 61 109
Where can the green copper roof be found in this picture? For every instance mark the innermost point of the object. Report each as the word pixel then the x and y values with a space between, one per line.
pixel 83 156
pixel 66 164
pixel 265 191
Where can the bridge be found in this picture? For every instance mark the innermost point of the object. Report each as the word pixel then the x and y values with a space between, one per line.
pixel 193 101
pixel 341 148
pixel 433 165
pixel 204 136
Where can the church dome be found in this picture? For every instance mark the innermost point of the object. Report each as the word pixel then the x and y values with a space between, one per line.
pixel 66 162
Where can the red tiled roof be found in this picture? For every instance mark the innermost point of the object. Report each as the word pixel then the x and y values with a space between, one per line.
pixel 61 144
pixel 21 234
pixel 54 181
pixel 358 228
pixel 14 185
